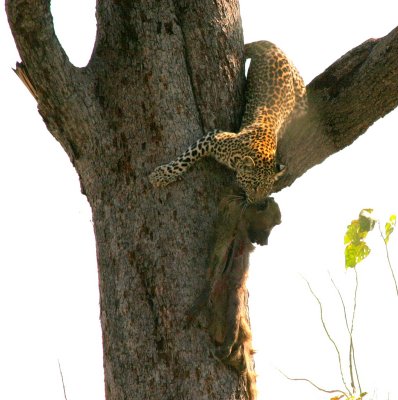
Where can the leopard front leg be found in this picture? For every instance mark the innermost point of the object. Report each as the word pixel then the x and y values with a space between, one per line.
pixel 168 173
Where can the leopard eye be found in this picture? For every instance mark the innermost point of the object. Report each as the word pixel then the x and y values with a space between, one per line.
pixel 279 167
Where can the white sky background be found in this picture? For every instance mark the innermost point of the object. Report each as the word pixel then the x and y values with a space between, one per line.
pixel 48 279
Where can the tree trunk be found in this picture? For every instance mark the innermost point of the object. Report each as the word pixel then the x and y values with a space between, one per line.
pixel 161 74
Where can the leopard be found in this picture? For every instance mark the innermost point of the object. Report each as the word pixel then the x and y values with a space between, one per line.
pixel 275 95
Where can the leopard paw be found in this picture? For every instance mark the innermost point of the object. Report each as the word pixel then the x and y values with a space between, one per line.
pixel 161 176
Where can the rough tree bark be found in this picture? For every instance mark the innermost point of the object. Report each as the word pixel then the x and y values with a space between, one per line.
pixel 162 73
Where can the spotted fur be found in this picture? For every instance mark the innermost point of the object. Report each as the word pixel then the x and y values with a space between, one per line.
pixel 275 94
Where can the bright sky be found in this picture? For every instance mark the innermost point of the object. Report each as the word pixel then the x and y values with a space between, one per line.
pixel 48 277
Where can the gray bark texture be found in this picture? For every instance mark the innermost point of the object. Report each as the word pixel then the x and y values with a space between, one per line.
pixel 161 74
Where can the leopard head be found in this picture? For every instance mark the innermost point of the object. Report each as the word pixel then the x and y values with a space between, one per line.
pixel 257 177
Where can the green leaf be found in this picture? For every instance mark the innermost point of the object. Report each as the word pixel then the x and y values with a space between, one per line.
pixel 356 248
pixel 355 253
pixel 352 234
pixel 366 222
pixel 389 227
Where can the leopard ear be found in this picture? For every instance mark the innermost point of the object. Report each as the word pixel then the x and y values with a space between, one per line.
pixel 248 162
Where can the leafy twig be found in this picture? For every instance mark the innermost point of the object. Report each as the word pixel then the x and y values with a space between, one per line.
pixel 352 360
pixel 313 384
pixel 62 378
pixel 352 328
pixel 329 336
pixel 385 240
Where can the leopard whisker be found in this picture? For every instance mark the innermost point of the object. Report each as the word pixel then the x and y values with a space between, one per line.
pixel 244 205
pixel 235 198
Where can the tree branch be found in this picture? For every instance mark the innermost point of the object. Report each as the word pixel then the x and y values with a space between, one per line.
pixel 32 26
pixel 65 94
pixel 344 101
